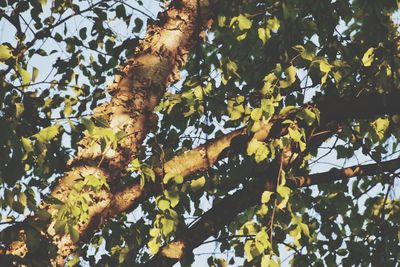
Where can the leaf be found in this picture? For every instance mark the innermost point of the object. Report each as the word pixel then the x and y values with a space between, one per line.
pixel 19 108
pixel 368 57
pixel 48 133
pixel 221 21
pixel 177 178
pixel 273 24
pixel 253 146
pixel 262 153
pixel 5 53
pixel 295 134
pixel 196 184
pixel 198 92
pixel 154 245
pixel 265 260
pixel 324 66
pixel 89 125
pixel 307 115
pixel 290 73
pixel 25 75
pixel 59 226
pixel 27 144
pixel 284 192
pixel 381 125
pixel 73 232
pixel 264 34
pixel 243 22
pixel 22 198
pixel 73 261
pixel 172 194
pixel 266 196
pixel 43 2
pixel 235 115
pixel 163 204
pixel 35 73
pixel 168 226
pixel 256 114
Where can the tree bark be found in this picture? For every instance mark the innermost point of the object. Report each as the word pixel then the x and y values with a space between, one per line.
pixel 205 156
pixel 135 93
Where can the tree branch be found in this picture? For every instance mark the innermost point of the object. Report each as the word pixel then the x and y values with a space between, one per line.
pixel 227 209
pixel 135 93
pixel 205 156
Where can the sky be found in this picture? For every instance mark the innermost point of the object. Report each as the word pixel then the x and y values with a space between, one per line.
pixel 152 8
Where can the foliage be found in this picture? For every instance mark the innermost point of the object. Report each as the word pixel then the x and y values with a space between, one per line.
pixel 260 60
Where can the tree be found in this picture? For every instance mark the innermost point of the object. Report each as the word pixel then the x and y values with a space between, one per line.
pixel 230 152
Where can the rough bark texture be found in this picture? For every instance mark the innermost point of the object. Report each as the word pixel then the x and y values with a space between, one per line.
pixel 134 93
pixel 205 156
pixel 227 209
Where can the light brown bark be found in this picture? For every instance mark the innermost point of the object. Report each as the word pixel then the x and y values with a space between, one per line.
pixel 205 156
pixel 135 93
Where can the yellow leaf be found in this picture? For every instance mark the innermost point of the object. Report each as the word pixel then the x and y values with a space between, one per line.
pixel 324 66
pixel 244 22
pixel 290 73
pixel 5 53
pixel 153 245
pixel 368 57
pixel 256 114
pixel 197 183
pixel 266 196
pixel 25 75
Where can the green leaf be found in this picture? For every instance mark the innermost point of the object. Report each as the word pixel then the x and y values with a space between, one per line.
pixel 381 125
pixel 59 227
pixel 307 115
pixel 73 232
pixel 171 176
pixel 73 261
pixel 256 114
pixel 5 53
pixel 48 133
pixel 89 125
pixel 368 57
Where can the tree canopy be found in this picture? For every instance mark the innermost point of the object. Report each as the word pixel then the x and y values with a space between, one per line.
pixel 265 132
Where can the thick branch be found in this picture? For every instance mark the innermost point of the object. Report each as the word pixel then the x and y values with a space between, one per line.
pixel 207 155
pixel 135 93
pixel 227 209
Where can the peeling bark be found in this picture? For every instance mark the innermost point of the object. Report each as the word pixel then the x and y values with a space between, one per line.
pixel 205 156
pixel 135 93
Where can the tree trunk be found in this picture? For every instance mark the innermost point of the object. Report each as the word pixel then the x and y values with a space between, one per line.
pixel 135 92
